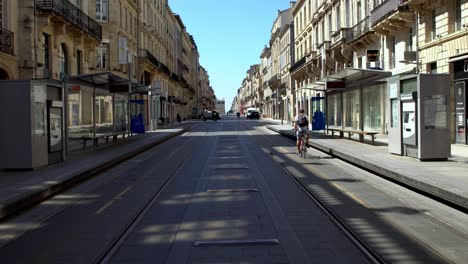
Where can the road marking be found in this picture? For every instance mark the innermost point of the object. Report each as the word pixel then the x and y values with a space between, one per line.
pixel 117 197
pixel 239 242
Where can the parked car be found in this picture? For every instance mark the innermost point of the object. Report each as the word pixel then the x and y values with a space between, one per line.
pixel 213 115
pixel 253 114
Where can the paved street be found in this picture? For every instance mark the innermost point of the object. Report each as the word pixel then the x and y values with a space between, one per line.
pixel 233 191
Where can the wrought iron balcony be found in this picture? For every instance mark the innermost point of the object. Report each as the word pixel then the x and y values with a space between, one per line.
pixel 391 15
pixel 359 30
pixel 183 82
pixel 164 69
pixel 6 41
pixel 340 35
pixel 388 8
pixel 383 10
pixel 298 64
pixel 174 77
pixel 72 14
pixel 145 54
pixel 274 80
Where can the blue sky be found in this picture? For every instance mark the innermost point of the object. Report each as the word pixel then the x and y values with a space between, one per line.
pixel 230 35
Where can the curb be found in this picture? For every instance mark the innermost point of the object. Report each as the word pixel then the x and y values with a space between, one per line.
pixel 401 178
pixel 19 204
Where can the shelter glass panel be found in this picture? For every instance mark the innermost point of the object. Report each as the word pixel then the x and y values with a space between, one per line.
pixel 121 112
pixel 351 104
pixel 103 110
pixel 334 111
pixel 373 107
pixel 80 110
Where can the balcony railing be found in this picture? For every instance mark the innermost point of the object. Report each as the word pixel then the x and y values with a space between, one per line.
pixel 145 54
pixel 340 35
pixel 6 41
pixel 71 13
pixel 386 8
pixel 183 82
pixel 274 80
pixel 359 30
pixel 298 64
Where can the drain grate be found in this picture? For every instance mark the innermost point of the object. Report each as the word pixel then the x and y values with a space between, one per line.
pixel 237 242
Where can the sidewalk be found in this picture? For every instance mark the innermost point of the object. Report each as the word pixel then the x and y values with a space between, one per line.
pixel 22 189
pixel 447 180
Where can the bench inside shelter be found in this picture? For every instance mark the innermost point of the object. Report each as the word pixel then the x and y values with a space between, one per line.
pixel 95 138
pixel 352 132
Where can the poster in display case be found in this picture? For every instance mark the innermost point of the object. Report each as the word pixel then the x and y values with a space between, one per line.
pixel 55 129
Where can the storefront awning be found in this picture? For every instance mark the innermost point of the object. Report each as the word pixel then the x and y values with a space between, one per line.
pixel 316 86
pixel 106 80
pixel 353 76
pixel 458 57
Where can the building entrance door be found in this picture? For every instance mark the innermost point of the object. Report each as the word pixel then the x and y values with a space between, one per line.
pixel 460 113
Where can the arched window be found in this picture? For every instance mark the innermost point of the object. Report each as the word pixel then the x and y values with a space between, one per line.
pixel 63 61
pixel 3 75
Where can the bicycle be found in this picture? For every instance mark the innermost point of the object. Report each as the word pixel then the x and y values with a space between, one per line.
pixel 303 147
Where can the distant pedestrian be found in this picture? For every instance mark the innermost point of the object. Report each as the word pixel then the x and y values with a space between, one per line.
pixel 178 118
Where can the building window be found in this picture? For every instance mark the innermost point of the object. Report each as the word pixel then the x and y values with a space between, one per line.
pixel 433 24
pixel 63 61
pixel 300 20
pixel 323 31
pixel 410 40
pixel 358 11
pixel 433 67
pixel 120 15
pixel 79 57
pixel 46 45
pixel 1 13
pixel 348 18
pixel 79 4
pixel 393 59
pixel 102 52
pixel 338 18
pixel 102 10
pixel 458 15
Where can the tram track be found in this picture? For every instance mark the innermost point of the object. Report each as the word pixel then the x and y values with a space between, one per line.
pixel 367 251
pixel 107 255
pixel 422 242
pixel 116 184
pixel 432 211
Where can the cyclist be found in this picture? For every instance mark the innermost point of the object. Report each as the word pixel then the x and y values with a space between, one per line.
pixel 301 126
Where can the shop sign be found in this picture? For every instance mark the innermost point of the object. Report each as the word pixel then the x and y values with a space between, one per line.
pixel 335 85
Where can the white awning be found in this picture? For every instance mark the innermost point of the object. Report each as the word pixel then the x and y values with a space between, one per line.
pixel 462 57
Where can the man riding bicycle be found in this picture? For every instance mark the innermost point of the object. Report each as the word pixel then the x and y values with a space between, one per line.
pixel 301 127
